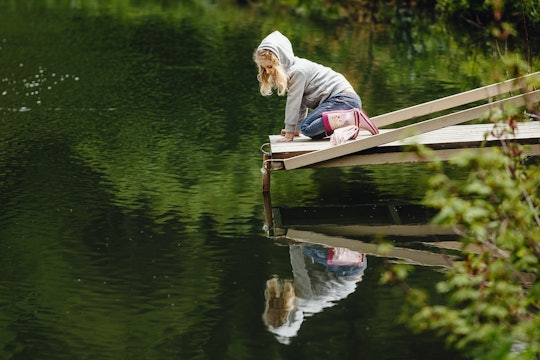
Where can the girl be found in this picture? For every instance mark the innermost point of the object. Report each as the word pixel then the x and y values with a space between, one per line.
pixel 309 86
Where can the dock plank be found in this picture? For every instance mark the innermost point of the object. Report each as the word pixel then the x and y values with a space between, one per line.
pixel 456 136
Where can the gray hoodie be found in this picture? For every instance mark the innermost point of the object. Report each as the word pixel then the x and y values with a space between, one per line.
pixel 309 83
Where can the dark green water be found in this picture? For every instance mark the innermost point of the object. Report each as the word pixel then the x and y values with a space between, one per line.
pixel 131 224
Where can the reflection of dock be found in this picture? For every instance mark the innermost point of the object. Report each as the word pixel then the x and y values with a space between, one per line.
pixel 438 253
pixel 406 255
pixel 414 240
pixel 403 220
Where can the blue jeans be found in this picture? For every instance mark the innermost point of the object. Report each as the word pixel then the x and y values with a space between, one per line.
pixel 313 126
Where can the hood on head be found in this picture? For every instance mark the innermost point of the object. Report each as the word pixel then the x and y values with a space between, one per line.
pixel 278 43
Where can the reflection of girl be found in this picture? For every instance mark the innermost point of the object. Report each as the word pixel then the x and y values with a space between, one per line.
pixel 278 314
pixel 322 276
pixel 308 85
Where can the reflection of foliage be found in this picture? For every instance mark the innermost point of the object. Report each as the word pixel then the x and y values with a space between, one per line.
pixel 493 294
pixel 58 251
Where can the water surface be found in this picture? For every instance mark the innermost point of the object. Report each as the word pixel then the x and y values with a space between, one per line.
pixel 131 224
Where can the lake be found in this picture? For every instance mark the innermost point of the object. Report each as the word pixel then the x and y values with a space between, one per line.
pixel 132 218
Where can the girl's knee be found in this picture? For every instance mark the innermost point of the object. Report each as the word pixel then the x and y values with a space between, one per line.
pixel 318 136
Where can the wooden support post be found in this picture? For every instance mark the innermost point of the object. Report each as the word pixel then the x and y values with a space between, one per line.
pixel 267 198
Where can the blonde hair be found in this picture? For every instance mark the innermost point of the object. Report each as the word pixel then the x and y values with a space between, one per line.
pixel 279 296
pixel 279 80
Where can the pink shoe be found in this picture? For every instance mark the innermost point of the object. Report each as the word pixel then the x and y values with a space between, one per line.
pixel 337 119
pixel 365 122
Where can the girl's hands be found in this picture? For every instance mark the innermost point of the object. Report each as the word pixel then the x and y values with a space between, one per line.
pixel 287 136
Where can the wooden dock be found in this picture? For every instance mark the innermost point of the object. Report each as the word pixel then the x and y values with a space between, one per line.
pixel 444 134
pixel 446 142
